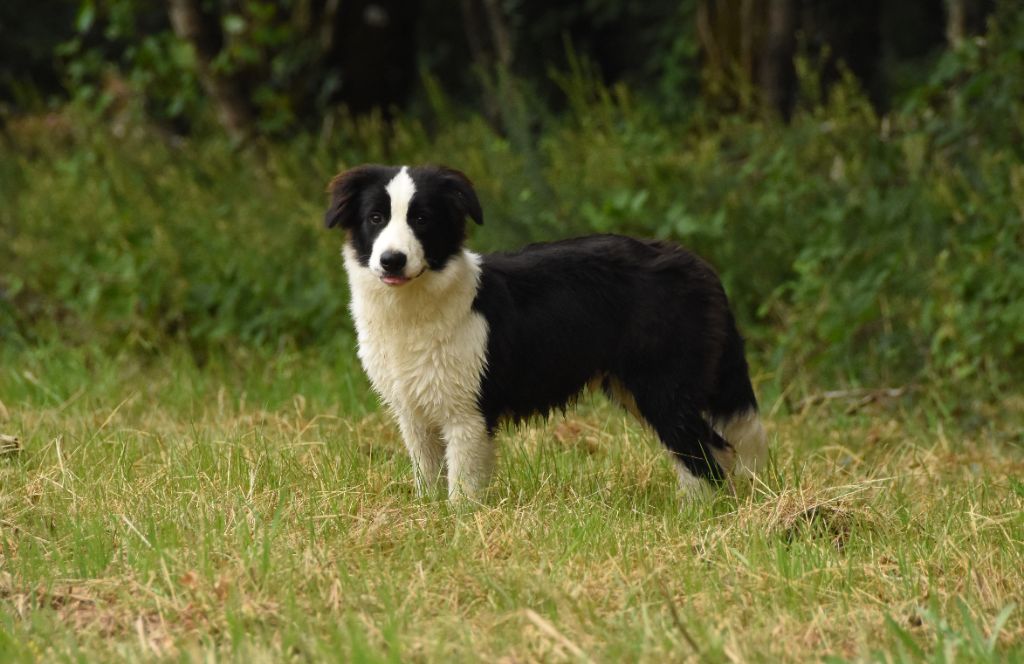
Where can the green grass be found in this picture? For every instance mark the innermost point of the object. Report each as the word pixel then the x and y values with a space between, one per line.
pixel 259 507
pixel 174 500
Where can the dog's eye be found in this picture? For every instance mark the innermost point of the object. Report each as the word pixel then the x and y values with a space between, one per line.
pixel 419 220
pixel 376 219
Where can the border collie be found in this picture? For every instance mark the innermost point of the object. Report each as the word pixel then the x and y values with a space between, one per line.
pixel 457 343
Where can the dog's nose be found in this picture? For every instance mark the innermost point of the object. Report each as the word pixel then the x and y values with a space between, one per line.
pixel 392 261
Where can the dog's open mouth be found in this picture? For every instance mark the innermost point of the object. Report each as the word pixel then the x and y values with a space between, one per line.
pixel 398 279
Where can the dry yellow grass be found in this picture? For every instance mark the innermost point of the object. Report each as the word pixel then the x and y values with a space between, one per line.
pixel 161 517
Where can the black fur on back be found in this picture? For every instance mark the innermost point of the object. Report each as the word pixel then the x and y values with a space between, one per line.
pixel 648 315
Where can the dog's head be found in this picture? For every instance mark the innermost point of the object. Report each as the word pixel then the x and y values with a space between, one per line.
pixel 401 222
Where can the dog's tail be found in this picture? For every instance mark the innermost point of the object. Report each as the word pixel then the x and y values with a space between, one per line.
pixel 734 413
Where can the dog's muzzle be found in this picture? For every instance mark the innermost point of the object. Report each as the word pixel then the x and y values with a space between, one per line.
pixel 393 264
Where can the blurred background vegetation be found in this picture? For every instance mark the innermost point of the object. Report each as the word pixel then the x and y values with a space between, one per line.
pixel 854 170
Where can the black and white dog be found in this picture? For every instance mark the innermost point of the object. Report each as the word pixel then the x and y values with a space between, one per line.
pixel 457 343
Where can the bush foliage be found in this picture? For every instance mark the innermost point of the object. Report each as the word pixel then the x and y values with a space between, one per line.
pixel 854 246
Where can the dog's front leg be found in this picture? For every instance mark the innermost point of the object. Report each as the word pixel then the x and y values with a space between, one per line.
pixel 426 450
pixel 470 457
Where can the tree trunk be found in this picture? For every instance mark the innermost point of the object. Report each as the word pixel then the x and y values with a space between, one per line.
pixel 776 75
pixel 374 54
pixel 474 28
pixel 748 48
pixel 233 109
pixel 965 18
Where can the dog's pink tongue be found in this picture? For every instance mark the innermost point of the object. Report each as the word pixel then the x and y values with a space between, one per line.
pixel 394 281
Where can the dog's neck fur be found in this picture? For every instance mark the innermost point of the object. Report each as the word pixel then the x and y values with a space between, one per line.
pixel 422 344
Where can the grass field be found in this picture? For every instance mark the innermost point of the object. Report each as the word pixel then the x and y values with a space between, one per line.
pixel 261 508
pixel 168 492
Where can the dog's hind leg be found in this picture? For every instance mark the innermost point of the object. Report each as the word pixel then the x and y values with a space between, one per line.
pixel 747 440
pixel 426 449
pixel 733 411
pixel 695 446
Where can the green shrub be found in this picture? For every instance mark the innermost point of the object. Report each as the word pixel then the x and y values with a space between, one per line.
pixel 854 247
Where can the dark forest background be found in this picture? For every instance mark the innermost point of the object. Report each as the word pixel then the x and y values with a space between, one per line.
pixel 280 67
pixel 854 170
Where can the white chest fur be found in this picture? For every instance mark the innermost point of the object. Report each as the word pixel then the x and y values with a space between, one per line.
pixel 422 345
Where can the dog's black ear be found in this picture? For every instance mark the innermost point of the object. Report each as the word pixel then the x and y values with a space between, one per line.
pixel 344 191
pixel 464 194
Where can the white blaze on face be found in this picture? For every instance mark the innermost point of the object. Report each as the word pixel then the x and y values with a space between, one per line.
pixel 397 235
